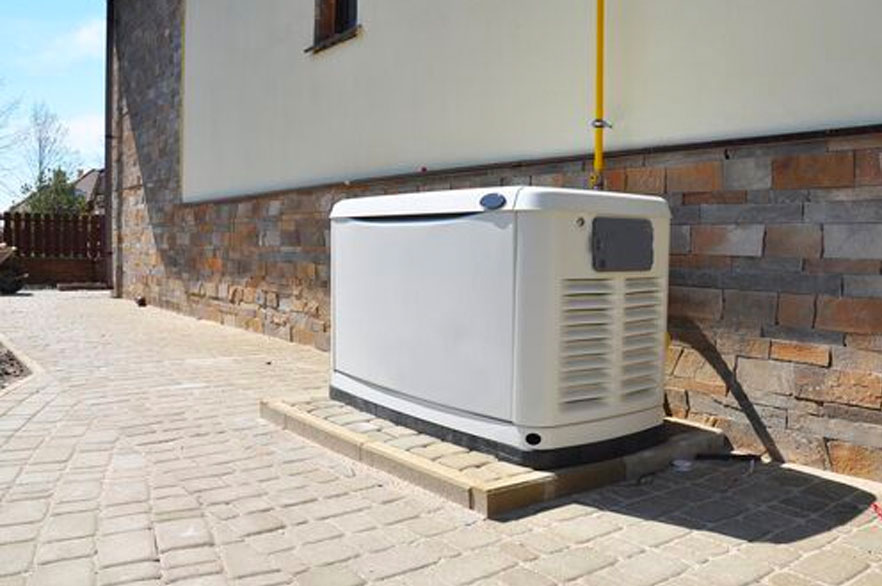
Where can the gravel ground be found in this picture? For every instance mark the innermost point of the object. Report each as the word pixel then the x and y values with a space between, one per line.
pixel 10 368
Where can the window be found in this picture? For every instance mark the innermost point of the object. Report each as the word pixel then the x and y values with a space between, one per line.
pixel 335 21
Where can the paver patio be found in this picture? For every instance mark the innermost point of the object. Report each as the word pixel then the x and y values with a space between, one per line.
pixel 135 455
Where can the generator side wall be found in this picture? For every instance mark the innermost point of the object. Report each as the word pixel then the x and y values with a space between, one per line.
pixel 776 289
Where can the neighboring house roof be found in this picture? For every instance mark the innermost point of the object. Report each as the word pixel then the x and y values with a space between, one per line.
pixel 89 185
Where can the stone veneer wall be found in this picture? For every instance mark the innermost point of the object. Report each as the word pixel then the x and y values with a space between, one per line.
pixel 776 292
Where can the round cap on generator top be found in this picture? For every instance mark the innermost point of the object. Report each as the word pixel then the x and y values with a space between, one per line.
pixel 493 201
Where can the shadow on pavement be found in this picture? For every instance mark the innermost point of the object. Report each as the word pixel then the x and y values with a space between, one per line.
pixel 751 502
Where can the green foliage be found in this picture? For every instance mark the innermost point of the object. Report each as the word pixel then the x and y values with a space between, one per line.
pixel 54 195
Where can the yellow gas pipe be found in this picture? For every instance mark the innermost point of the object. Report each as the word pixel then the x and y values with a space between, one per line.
pixel 599 124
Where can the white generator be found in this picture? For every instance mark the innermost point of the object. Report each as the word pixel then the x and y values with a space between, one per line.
pixel 527 321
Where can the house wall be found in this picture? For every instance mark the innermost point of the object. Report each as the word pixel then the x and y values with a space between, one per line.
pixel 444 84
pixel 776 267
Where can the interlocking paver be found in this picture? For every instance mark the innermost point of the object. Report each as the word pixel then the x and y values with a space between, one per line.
pixel 72 573
pixel 152 434
pixel 182 533
pixel 832 566
pixel 65 550
pixel 474 566
pixel 69 526
pixel 393 562
pixel 128 573
pixel 126 548
pixel 330 576
pixel 569 565
pixel 732 570
pixel 15 558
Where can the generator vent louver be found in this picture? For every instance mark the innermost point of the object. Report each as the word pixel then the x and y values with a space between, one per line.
pixel 641 341
pixel 587 332
pixel 607 322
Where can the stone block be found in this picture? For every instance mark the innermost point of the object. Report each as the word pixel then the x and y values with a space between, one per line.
pixel 705 176
pixel 837 265
pixel 848 314
pixel 853 241
pixel 807 335
pixel 702 304
pixel 745 240
pixel 868 167
pixel 796 310
pixel 846 194
pixel 863 434
pixel 676 402
pixel 751 213
pixel 864 341
pixel 787 282
pixel 855 460
pixel 648 180
pixel 862 285
pixel 730 343
pixel 747 173
pixel 614 179
pixel 813 170
pixel 766 376
pixel 861 389
pixel 752 264
pixel 855 141
pixel 851 413
pixel 680 239
pixel 715 197
pixel 799 352
pixel 749 307
pixel 856 359
pixel 685 215
pixel 699 261
pixel 794 240
pixel 689 363
pixel 857 212
pixel 696 278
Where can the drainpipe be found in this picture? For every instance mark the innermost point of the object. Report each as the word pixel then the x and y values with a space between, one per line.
pixel 595 181
pixel 109 253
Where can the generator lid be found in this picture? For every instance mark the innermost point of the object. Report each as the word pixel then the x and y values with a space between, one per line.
pixel 500 199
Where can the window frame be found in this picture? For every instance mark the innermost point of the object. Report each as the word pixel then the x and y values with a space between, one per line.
pixel 329 30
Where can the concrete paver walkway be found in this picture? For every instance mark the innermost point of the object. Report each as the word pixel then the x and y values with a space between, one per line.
pixel 135 455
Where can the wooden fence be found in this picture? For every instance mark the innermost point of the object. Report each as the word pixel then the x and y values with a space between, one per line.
pixel 55 235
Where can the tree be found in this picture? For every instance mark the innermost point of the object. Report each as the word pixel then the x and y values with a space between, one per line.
pixel 55 196
pixel 10 139
pixel 46 146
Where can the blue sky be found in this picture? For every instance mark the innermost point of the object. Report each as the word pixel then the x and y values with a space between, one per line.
pixel 52 51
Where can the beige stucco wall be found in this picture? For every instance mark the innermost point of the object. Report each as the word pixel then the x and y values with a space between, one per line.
pixel 440 84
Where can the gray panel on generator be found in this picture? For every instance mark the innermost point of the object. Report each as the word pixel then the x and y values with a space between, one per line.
pixel 621 244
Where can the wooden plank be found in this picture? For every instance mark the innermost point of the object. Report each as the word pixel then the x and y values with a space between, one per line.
pixel 24 244
pixel 99 237
pixel 75 224
pixel 84 236
pixel 37 239
pixel 49 223
pixel 7 228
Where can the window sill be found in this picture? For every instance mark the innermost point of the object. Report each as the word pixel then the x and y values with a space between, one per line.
pixel 334 40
